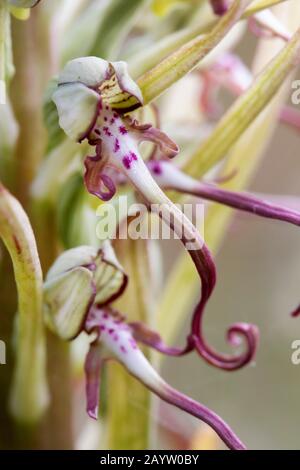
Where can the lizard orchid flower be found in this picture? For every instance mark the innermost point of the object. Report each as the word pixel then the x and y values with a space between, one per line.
pixel 78 291
pixel 91 98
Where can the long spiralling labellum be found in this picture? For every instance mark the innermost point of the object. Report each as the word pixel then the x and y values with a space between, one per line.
pixel 115 340
pixel 91 99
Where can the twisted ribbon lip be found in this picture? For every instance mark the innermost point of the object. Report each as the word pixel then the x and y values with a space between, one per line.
pixel 135 362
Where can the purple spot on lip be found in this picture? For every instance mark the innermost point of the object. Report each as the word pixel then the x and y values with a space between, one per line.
pixel 157 169
pixel 123 349
pixel 117 145
pixel 112 121
pixel 107 131
pixel 123 130
pixel 115 115
pixel 106 107
pixel 105 119
pixel 105 315
pixel 127 162
pixel 115 337
pixel 102 327
pixel 111 331
pixel 128 159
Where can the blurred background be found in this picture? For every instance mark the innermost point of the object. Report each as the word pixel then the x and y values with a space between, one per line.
pixel 258 262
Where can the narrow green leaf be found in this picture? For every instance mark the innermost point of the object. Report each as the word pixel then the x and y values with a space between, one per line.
pixel 246 109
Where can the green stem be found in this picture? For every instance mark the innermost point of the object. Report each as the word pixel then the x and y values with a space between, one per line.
pixel 29 396
pixel 27 96
pixel 26 99
pixel 3 20
pixel 129 402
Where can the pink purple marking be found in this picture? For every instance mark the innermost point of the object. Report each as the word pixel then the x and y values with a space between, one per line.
pixel 107 131
pixel 128 159
pixel 117 145
pixel 157 169
pixel 123 130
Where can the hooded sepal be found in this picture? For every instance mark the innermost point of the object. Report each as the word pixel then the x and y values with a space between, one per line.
pixel 86 83
pixel 67 300
pixel 79 278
